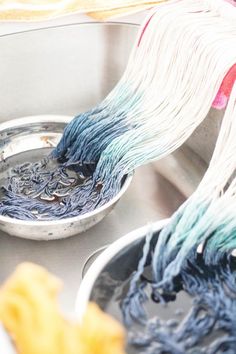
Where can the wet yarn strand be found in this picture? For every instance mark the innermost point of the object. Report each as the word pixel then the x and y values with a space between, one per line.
pixel 172 77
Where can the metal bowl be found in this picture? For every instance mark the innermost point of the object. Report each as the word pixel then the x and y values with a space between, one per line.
pixel 126 251
pixel 40 132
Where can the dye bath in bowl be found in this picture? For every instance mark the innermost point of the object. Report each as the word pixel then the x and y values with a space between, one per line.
pixel 15 170
pixel 31 139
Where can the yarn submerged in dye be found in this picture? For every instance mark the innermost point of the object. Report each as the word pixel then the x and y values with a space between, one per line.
pixel 49 182
pixel 196 316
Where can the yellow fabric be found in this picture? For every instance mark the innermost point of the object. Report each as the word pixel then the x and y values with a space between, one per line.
pixel 25 10
pixel 104 15
pixel 30 312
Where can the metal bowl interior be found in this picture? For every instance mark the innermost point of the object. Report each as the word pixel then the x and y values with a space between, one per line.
pixel 96 286
pixel 44 132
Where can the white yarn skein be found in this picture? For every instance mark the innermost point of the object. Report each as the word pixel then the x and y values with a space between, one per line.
pixel 180 54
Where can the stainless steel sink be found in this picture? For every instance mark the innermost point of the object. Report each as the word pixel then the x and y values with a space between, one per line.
pixel 65 70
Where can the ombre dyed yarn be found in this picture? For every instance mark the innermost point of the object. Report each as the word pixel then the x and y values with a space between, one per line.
pixel 206 219
pixel 173 75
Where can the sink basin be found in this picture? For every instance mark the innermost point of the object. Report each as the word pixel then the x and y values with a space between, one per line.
pixel 66 70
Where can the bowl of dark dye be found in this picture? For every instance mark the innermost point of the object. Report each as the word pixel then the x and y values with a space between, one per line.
pixel 107 281
pixel 29 140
